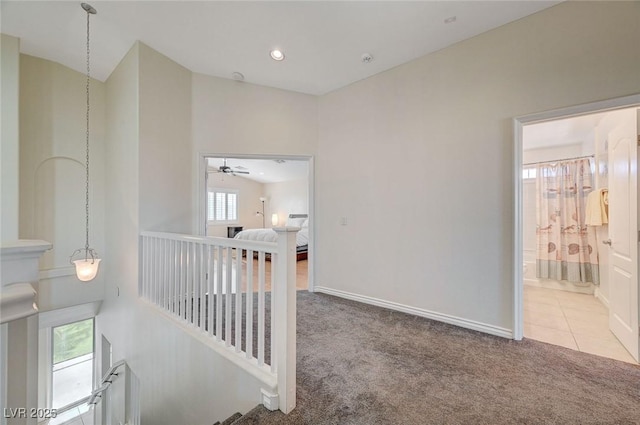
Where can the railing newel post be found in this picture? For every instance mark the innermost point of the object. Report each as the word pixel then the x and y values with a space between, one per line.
pixel 284 292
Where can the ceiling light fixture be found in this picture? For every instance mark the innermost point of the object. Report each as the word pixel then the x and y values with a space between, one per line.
pixel 277 55
pixel 450 20
pixel 366 58
pixel 237 76
pixel 87 264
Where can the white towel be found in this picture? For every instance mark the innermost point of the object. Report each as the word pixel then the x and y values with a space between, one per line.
pixel 597 213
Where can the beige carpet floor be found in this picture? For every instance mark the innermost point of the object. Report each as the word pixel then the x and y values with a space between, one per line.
pixel 359 364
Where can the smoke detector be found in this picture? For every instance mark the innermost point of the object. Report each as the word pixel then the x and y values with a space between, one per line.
pixel 366 58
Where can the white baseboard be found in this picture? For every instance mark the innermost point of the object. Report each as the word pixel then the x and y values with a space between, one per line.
pixel 440 317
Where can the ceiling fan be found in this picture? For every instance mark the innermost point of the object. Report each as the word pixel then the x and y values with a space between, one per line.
pixel 228 170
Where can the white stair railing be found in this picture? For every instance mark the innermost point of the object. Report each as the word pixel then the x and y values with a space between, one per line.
pixel 117 396
pixel 226 289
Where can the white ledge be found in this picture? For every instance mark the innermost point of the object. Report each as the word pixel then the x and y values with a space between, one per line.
pixel 17 301
pixel 20 260
pixel 25 247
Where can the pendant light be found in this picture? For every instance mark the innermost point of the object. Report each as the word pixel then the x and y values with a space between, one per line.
pixel 86 259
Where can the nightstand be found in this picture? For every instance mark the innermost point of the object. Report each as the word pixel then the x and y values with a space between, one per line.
pixel 232 231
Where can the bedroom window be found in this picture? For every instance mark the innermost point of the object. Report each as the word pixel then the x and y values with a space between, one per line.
pixel 222 206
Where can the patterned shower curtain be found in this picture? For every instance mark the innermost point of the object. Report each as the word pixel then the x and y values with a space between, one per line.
pixel 566 246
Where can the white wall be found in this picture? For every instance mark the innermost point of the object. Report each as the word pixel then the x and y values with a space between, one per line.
pixel 445 120
pixel 236 117
pixel 555 152
pixel 249 193
pixel 9 135
pixel 116 319
pixel 52 175
pixel 165 144
pixel 183 379
pixel 284 198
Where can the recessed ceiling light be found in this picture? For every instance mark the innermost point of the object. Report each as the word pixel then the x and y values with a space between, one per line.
pixel 237 76
pixel 261 173
pixel 277 55
pixel 450 20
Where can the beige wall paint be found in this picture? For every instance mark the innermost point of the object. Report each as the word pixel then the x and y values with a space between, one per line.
pixel 237 117
pixel 9 135
pixel 284 198
pixel 165 144
pixel 231 117
pixel 52 175
pixel 433 139
pixel 249 193
pixel 155 91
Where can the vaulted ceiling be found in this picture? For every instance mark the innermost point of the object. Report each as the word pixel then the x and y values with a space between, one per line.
pixel 323 41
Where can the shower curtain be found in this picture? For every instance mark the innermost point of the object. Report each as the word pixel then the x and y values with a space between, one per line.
pixel 566 246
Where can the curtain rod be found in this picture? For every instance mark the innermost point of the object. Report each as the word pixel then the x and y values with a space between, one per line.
pixel 559 160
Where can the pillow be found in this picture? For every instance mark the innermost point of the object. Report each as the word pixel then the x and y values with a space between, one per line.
pixel 295 221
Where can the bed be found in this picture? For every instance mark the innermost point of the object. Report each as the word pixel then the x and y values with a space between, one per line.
pixel 269 235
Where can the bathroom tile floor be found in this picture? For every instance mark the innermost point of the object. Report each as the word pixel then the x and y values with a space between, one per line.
pixel 568 319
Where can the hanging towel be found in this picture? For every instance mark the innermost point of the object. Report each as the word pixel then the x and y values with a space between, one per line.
pixel 597 211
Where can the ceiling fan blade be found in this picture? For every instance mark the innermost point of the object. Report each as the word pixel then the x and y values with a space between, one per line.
pixel 240 172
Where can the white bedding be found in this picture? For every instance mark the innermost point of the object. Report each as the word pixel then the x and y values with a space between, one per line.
pixel 269 235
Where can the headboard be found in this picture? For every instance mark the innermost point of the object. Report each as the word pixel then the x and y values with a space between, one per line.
pixel 298 215
pixel 296 220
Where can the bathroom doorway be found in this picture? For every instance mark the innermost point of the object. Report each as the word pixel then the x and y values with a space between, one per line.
pixel 567 293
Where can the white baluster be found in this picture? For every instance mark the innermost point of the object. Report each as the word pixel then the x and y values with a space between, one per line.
pixel 203 285
pixel 219 266
pixel 261 274
pixel 249 332
pixel 145 276
pixel 210 297
pixel 227 304
pixel 238 328
pixel 184 274
pixel 274 331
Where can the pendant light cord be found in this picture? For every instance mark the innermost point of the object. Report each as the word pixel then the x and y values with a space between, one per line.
pixel 87 146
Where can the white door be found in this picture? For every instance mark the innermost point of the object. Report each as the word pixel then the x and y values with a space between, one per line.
pixel 623 232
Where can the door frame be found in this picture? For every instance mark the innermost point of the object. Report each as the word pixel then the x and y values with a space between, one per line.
pixel 518 124
pixel 201 196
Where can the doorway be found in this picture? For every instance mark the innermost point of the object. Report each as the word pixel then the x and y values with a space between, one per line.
pixel 584 315
pixel 255 193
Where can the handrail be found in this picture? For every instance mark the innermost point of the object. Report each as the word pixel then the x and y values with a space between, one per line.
pixel 268 247
pixel 105 382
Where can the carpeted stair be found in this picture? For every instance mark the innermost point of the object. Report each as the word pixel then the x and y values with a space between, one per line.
pixel 257 415
pixel 231 420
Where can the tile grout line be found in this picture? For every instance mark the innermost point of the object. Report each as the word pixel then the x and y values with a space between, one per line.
pixel 569 325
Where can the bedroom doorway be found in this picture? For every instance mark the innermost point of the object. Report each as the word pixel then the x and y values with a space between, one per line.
pixel 581 290
pixel 245 196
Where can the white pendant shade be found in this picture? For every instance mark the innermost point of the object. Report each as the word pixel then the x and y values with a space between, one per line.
pixel 87 269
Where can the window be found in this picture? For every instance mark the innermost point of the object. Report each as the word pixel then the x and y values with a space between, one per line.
pixel 529 173
pixel 222 206
pixel 66 351
pixel 72 363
